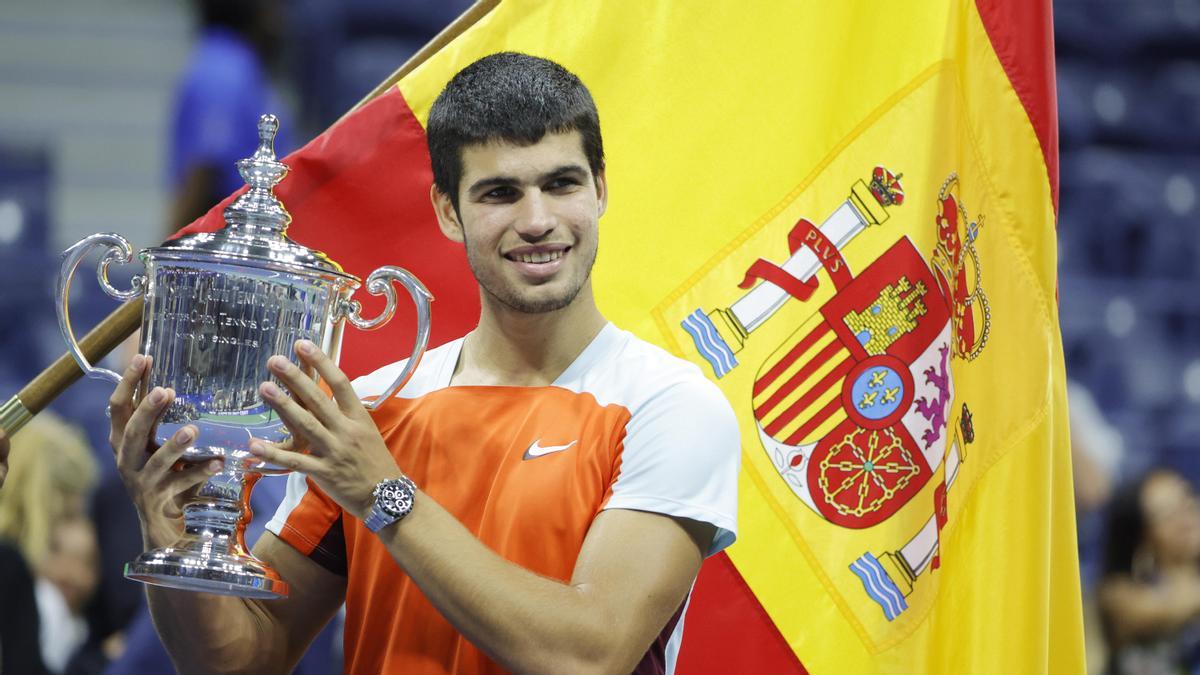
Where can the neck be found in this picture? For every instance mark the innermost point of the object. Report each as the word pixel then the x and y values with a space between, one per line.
pixel 530 350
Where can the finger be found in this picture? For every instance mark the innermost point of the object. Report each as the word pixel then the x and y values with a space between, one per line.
pixel 131 455
pixel 120 403
pixel 178 482
pixel 335 379
pixel 159 464
pixel 278 456
pixel 306 429
pixel 304 390
pixel 292 444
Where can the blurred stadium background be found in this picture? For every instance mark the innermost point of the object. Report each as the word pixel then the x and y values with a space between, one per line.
pixel 86 91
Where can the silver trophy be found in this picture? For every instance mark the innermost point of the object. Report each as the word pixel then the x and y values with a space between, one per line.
pixel 217 306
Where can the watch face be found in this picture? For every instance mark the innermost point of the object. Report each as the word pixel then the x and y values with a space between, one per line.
pixel 394 497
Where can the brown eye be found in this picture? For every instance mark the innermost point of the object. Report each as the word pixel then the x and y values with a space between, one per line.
pixel 559 184
pixel 499 194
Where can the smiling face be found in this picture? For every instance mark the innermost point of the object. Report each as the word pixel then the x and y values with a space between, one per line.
pixel 528 216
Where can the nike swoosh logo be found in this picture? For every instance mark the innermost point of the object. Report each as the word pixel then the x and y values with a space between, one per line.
pixel 537 450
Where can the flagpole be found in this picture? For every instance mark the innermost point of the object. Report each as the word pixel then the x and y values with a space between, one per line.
pixel 116 327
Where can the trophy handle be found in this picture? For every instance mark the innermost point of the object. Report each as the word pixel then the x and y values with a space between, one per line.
pixel 118 250
pixel 380 283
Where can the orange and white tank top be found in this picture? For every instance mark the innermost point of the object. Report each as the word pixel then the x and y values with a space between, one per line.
pixel 526 469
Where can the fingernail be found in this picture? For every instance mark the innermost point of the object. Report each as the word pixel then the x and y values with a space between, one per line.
pixel 278 363
pixel 269 390
pixel 158 395
pixel 213 467
pixel 256 448
pixel 137 361
pixel 306 346
pixel 184 435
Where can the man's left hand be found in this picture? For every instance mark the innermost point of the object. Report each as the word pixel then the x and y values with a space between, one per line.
pixel 334 442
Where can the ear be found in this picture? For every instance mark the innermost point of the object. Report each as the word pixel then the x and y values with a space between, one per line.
pixel 446 215
pixel 601 191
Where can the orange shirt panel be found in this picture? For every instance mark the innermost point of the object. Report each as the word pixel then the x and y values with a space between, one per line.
pixel 466 447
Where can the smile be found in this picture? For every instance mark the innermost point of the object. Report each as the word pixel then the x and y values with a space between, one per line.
pixel 538 263
pixel 537 256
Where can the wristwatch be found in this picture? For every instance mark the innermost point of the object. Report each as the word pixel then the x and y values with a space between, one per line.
pixel 393 501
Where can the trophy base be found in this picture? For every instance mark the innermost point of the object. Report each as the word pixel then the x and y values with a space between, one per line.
pixel 218 573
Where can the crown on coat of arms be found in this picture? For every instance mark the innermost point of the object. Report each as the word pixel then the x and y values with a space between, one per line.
pixel 886 187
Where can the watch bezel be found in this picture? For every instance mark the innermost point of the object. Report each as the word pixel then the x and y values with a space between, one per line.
pixel 394 496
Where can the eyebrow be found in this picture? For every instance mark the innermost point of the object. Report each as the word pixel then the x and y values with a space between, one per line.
pixel 500 181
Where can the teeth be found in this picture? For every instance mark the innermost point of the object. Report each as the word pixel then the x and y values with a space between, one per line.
pixel 539 257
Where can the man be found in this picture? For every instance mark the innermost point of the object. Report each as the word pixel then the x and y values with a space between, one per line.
pixel 538 498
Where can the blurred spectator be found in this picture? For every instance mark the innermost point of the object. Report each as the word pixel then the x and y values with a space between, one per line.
pixel 43 512
pixel 4 448
pixel 1097 449
pixel 222 92
pixel 1150 592
pixel 18 615
pixel 66 580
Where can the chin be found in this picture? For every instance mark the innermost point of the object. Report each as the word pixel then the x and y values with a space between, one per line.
pixel 541 305
pixel 537 300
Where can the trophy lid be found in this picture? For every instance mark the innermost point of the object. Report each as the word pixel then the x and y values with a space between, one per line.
pixel 256 222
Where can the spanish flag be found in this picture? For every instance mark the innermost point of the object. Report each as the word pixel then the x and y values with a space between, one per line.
pixel 844 212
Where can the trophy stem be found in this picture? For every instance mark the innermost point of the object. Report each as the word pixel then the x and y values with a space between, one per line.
pixel 212 555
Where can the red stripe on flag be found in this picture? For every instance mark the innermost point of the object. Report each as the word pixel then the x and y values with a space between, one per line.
pixel 777 369
pixel 826 382
pixel 1022 35
pixel 816 421
pixel 726 629
pixel 360 193
pixel 798 379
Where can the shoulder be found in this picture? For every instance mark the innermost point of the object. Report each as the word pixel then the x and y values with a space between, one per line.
pixel 681 448
pixel 645 378
pixel 431 374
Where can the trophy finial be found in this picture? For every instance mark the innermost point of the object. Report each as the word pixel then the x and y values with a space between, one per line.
pixel 259 207
pixel 268 125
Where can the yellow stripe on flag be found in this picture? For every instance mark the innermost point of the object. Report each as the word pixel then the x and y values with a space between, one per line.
pixel 804 361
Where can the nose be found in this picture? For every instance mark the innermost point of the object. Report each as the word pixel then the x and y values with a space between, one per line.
pixel 536 218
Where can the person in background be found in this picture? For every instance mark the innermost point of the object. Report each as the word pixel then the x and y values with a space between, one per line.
pixel 43 514
pixel 4 448
pixel 66 580
pixel 18 615
pixel 1097 456
pixel 220 95
pixel 1149 594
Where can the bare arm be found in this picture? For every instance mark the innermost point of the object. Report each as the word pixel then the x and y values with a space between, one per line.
pixel 1136 610
pixel 632 574
pixel 206 633
pixel 223 634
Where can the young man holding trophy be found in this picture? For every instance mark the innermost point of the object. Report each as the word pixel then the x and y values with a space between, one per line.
pixel 537 498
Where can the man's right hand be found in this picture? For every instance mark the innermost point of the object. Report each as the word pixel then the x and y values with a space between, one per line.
pixel 148 472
